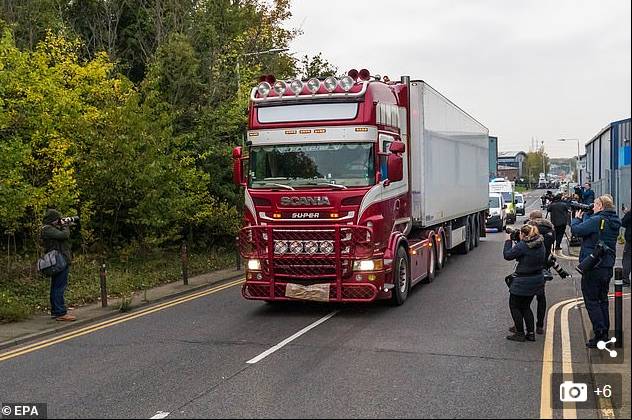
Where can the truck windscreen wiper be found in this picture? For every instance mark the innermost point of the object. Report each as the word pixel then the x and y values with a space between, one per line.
pixel 274 184
pixel 327 184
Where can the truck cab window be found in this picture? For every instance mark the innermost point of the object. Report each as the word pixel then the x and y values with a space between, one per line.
pixel 312 165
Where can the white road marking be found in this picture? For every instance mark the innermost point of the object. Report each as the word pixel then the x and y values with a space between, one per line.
pixel 290 339
pixel 570 409
pixel 160 415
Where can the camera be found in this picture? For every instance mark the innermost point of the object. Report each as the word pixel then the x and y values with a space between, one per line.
pixel 70 220
pixel 552 263
pixel 588 208
pixel 594 258
pixel 573 392
pixel 514 234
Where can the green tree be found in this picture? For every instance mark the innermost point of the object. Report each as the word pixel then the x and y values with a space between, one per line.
pixel 316 67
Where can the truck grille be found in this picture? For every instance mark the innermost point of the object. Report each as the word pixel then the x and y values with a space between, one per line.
pixel 306 255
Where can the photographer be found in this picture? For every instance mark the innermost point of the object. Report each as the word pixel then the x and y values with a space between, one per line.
pixel 528 281
pixel 559 217
pixel 55 235
pixel 547 231
pixel 597 256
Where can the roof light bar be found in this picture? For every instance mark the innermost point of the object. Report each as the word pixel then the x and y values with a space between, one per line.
pixel 330 83
pixel 346 83
pixel 313 85
pixel 264 89
pixel 296 86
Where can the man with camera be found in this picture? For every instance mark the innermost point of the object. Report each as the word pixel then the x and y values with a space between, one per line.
pixel 596 258
pixel 55 235
pixel 559 217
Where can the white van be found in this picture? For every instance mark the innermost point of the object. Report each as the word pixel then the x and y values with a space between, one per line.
pixel 519 200
pixel 497 216
pixel 506 188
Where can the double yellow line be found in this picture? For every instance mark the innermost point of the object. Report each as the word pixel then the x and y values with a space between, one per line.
pixel 114 321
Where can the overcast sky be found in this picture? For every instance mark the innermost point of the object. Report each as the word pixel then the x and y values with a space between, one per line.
pixel 529 70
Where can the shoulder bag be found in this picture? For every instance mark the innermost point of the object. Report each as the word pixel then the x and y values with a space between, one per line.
pixel 51 264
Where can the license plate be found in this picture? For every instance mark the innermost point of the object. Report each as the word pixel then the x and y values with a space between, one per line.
pixel 316 292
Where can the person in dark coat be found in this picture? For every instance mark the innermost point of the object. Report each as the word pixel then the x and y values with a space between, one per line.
pixel 604 226
pixel 530 254
pixel 558 210
pixel 625 223
pixel 547 231
pixel 588 196
pixel 55 235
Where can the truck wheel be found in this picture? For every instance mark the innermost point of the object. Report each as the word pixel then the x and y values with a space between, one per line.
pixel 432 265
pixel 477 230
pixel 464 247
pixel 440 249
pixel 401 273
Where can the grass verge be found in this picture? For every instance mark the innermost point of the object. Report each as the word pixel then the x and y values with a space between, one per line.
pixel 24 292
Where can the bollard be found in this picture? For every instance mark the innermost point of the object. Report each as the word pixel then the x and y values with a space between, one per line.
pixel 618 307
pixel 185 264
pixel 237 254
pixel 104 292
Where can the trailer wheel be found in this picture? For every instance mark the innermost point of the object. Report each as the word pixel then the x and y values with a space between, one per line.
pixel 432 264
pixel 440 250
pixel 477 230
pixel 464 247
pixel 401 273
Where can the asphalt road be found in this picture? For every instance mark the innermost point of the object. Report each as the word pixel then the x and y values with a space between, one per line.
pixel 443 354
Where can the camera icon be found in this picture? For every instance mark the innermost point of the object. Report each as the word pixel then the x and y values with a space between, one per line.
pixel 573 392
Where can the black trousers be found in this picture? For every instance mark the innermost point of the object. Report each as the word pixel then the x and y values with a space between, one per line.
pixel 541 309
pixel 559 235
pixel 520 307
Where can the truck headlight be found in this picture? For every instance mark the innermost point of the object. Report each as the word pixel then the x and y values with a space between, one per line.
pixel 254 265
pixel 368 265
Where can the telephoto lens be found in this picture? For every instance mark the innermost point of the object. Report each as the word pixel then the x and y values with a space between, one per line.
pixel 70 219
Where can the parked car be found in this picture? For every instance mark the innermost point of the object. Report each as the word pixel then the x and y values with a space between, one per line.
pixel 497 216
pixel 519 203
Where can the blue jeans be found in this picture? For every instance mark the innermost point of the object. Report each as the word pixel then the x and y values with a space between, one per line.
pixel 595 285
pixel 58 285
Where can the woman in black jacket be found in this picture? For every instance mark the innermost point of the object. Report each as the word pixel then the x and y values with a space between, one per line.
pixel 530 253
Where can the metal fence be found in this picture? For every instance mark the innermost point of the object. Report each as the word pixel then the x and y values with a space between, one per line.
pixel 620 191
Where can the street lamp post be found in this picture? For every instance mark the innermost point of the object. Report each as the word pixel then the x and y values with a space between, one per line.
pixel 544 164
pixel 577 164
pixel 270 51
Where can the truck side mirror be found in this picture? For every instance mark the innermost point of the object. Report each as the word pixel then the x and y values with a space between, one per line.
pixel 395 169
pixel 238 173
pixel 397 147
pixel 395 163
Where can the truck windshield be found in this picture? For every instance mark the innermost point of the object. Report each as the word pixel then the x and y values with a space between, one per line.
pixel 337 165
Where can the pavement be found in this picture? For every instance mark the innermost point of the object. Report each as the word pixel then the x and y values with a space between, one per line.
pixel 17 333
pixel 600 361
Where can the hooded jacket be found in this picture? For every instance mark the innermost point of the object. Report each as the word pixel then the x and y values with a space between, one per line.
pixel 530 255
pixel 547 230
pixel 589 229
pixel 55 238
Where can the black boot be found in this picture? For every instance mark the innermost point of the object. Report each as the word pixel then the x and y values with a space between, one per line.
pixel 519 336
pixel 530 336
